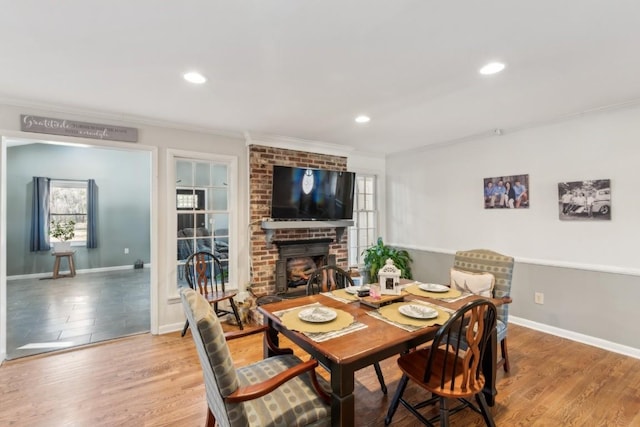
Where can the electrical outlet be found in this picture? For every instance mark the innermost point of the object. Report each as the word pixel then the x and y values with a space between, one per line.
pixel 539 298
pixel 126 251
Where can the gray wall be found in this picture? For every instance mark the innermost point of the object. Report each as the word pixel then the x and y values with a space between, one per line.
pixel 596 304
pixel 123 180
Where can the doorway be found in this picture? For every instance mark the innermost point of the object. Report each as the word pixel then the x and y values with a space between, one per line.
pixel 43 314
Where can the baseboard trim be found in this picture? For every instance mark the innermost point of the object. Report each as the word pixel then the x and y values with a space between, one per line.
pixel 173 327
pixel 575 336
pixel 84 271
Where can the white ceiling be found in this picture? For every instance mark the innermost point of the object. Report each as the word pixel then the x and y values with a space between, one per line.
pixel 305 68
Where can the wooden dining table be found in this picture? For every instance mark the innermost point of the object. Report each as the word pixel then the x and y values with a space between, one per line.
pixel 346 354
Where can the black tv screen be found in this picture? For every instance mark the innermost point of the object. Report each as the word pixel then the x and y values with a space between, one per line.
pixel 311 194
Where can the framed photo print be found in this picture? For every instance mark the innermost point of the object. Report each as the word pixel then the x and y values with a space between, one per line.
pixel 585 200
pixel 506 192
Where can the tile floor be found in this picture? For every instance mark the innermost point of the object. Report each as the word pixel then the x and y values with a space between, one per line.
pixel 52 314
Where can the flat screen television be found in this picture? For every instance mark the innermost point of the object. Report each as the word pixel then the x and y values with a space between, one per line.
pixel 311 194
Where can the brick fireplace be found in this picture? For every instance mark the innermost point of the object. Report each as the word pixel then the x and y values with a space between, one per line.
pixel 265 256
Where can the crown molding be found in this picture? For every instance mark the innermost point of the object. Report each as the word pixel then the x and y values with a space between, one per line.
pixel 120 118
pixel 298 144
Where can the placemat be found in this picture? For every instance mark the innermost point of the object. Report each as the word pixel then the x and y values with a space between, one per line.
pixel 391 315
pixel 291 321
pixel 415 290
pixel 341 294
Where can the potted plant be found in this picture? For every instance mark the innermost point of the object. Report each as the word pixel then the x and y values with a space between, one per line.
pixel 376 256
pixel 63 231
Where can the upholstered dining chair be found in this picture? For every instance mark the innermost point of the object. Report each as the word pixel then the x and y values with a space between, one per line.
pixel 204 273
pixel 501 267
pixel 281 390
pixel 446 370
pixel 331 277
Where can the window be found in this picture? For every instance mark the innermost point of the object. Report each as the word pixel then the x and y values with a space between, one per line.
pixel 68 201
pixel 203 209
pixel 364 232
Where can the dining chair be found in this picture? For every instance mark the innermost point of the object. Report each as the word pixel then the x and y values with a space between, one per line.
pixel 281 390
pixel 331 277
pixel 446 370
pixel 204 274
pixel 328 278
pixel 501 267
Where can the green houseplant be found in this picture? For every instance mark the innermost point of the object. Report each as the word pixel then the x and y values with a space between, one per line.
pixel 63 231
pixel 376 256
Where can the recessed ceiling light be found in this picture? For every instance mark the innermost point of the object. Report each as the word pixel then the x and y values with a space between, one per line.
pixel 363 119
pixel 194 77
pixel 492 68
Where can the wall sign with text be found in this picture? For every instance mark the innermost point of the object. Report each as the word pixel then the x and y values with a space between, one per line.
pixel 64 127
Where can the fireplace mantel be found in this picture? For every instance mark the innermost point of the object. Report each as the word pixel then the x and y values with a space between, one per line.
pixel 270 227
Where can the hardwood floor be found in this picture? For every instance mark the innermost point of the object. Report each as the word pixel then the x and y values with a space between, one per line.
pixel 150 380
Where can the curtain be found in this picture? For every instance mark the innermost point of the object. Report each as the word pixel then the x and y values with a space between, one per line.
pixel 40 215
pixel 92 209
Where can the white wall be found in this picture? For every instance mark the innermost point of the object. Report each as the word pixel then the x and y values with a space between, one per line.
pixel 589 271
pixel 437 194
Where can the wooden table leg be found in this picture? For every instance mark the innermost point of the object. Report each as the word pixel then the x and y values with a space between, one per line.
pixel 72 266
pixel 56 267
pixel 342 398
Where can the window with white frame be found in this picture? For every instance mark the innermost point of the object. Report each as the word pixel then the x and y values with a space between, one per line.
pixel 68 202
pixel 203 210
pixel 364 232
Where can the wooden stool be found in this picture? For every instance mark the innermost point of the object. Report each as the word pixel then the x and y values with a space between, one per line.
pixel 56 264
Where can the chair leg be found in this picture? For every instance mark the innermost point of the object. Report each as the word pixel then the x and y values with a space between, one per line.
pixel 186 326
pixel 383 386
pixel 235 313
pixel 211 420
pixel 396 399
pixel 484 409
pixel 444 412
pixel 505 355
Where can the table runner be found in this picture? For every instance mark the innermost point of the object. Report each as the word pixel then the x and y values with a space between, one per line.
pixel 320 332
pixel 390 314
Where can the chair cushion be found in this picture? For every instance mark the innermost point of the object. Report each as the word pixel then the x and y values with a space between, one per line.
pixel 476 283
pixel 294 403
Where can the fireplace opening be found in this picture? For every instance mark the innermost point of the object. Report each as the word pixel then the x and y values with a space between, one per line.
pixel 297 260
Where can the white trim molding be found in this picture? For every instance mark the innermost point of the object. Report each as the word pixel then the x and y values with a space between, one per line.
pixel 575 336
pixel 533 261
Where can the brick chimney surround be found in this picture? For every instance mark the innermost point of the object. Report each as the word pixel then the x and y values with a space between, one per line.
pixel 263 255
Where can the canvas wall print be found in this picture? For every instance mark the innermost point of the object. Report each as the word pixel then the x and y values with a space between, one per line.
pixel 506 192
pixel 585 200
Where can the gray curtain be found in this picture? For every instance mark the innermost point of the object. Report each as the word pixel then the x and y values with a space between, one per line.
pixel 92 209
pixel 40 215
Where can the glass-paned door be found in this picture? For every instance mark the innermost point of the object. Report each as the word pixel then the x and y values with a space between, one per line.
pixel 202 209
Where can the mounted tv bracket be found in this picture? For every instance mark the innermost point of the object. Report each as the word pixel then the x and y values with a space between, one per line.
pixel 270 227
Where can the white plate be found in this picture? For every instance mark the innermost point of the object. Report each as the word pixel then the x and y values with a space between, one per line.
pixel 354 289
pixel 418 311
pixel 433 287
pixel 317 314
